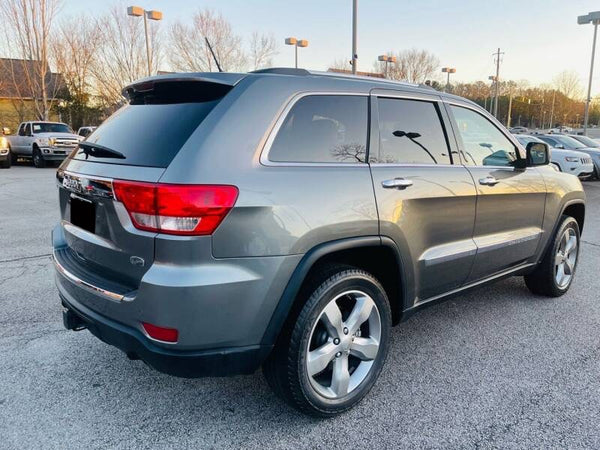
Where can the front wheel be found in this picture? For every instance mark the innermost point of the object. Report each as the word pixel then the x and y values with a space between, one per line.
pixel 38 159
pixel 555 273
pixel 337 346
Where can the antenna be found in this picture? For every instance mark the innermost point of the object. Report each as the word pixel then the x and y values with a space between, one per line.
pixel 213 54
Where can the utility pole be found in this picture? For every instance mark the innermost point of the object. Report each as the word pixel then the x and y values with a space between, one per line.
pixel 593 18
pixel 354 37
pixel 497 54
pixel 552 109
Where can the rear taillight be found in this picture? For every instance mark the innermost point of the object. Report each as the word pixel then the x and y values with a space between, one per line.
pixel 180 209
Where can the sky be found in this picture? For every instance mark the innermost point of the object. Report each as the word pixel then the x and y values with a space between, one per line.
pixel 540 38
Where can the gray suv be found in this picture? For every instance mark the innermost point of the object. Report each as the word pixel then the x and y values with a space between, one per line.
pixel 287 219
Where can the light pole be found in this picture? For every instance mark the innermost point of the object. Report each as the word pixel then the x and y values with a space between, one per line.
pixel 448 70
pixel 387 60
pixel 296 43
pixel 354 35
pixel 593 17
pixel 137 11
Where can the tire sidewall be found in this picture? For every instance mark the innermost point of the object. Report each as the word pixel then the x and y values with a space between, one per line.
pixel 568 222
pixel 350 282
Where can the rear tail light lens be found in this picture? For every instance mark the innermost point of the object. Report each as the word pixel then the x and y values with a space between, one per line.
pixel 161 333
pixel 179 209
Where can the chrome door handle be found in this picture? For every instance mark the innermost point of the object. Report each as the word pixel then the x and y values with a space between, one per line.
pixel 396 183
pixel 488 181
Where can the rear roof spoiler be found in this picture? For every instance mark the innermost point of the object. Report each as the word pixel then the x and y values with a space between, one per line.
pixel 148 83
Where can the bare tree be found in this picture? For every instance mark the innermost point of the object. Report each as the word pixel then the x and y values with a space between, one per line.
pixel 74 48
pixel 189 51
pixel 262 49
pixel 27 26
pixel 413 65
pixel 121 57
pixel 568 83
pixel 341 64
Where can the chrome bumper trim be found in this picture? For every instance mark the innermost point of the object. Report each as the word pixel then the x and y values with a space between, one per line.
pixel 84 284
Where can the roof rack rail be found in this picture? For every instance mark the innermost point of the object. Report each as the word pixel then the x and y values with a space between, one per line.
pixel 283 71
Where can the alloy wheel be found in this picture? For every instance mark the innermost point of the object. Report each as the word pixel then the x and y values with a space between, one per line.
pixel 343 344
pixel 565 258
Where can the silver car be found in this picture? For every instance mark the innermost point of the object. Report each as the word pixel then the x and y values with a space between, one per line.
pixel 220 222
pixel 565 142
pixel 569 161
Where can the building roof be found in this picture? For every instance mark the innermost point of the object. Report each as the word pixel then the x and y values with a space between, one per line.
pixel 14 76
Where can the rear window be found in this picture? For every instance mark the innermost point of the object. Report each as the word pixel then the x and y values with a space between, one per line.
pixel 153 127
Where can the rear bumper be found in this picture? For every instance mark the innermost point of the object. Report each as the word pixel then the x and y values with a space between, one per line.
pixel 188 364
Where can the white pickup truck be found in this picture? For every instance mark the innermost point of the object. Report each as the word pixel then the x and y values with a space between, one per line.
pixel 42 142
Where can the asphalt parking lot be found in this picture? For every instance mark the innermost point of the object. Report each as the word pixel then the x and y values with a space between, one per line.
pixel 497 367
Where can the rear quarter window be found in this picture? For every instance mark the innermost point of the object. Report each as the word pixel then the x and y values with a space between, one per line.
pixel 323 129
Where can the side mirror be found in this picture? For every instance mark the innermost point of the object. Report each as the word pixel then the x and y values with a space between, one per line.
pixel 538 154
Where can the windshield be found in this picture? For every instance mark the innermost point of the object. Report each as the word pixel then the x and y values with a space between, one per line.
pixel 587 141
pixel 44 127
pixel 524 140
pixel 569 142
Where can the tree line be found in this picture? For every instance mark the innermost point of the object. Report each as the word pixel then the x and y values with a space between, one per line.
pixel 96 56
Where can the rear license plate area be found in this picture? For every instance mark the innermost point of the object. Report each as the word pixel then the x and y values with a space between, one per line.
pixel 83 214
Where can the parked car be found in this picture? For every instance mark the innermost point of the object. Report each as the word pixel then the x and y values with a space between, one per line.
pixel 560 130
pixel 516 130
pixel 570 161
pixel 561 141
pixel 42 142
pixel 85 131
pixel 586 141
pixel 5 158
pixel 288 219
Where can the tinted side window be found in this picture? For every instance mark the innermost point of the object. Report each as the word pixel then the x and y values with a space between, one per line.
pixel 323 129
pixel 22 130
pixel 483 143
pixel 28 129
pixel 410 132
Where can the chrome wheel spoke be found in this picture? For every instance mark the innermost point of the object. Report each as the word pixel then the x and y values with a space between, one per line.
pixel 364 348
pixel 558 258
pixel 319 358
pixel 571 245
pixel 332 319
pixel 568 267
pixel 340 378
pixel 560 273
pixel 360 313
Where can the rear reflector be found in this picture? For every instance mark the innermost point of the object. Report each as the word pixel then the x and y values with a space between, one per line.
pixel 180 209
pixel 161 333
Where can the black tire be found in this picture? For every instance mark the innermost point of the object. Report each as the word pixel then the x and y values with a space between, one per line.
pixel 286 369
pixel 6 164
pixel 13 157
pixel 543 281
pixel 38 159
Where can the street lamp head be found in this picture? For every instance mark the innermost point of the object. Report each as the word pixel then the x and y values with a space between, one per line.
pixel 444 69
pixel 136 11
pixel 492 77
pixel 291 41
pixel 392 59
pixel 448 70
pixel 382 58
pixel 154 15
pixel 302 43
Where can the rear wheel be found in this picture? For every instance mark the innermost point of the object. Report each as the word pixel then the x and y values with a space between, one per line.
pixel 6 163
pixel 38 159
pixel 13 156
pixel 554 275
pixel 335 350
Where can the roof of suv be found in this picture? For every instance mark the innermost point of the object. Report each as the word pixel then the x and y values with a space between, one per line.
pixel 231 79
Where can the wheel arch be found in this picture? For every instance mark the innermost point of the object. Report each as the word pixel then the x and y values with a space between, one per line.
pixel 377 255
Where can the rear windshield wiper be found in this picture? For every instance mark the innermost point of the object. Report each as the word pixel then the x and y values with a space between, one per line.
pixel 99 151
